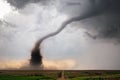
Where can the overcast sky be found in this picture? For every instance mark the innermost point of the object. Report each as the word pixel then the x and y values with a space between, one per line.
pixel 91 43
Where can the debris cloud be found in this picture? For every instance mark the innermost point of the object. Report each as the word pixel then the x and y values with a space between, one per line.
pixel 48 65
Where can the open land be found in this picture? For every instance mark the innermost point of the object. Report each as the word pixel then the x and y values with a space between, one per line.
pixel 55 74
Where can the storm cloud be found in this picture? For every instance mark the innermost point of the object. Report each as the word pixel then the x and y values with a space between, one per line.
pixel 93 8
pixel 22 3
pixel 79 8
pixel 90 28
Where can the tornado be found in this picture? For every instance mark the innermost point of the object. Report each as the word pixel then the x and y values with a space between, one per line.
pixel 36 56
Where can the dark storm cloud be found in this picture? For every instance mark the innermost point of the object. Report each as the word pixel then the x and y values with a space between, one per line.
pixel 112 30
pixel 22 3
pixel 115 6
pixel 92 8
pixel 97 7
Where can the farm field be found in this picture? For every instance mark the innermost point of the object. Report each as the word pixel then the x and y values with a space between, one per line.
pixel 55 75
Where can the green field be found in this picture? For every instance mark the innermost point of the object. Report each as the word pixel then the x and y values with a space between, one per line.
pixel 54 75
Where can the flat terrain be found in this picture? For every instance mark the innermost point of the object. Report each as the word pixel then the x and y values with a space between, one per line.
pixel 55 74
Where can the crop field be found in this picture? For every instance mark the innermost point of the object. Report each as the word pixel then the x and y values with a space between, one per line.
pixel 58 74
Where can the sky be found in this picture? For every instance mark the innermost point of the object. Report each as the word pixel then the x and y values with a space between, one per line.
pixel 92 42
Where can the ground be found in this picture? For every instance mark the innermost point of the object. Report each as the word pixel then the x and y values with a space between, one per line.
pixel 55 75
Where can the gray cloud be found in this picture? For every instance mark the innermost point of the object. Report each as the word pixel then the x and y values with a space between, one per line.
pixel 83 7
pixel 22 3
pixel 92 8
pixel 80 8
pixel 111 29
pixel 111 32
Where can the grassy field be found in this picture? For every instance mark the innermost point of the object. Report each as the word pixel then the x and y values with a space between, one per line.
pixel 54 75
